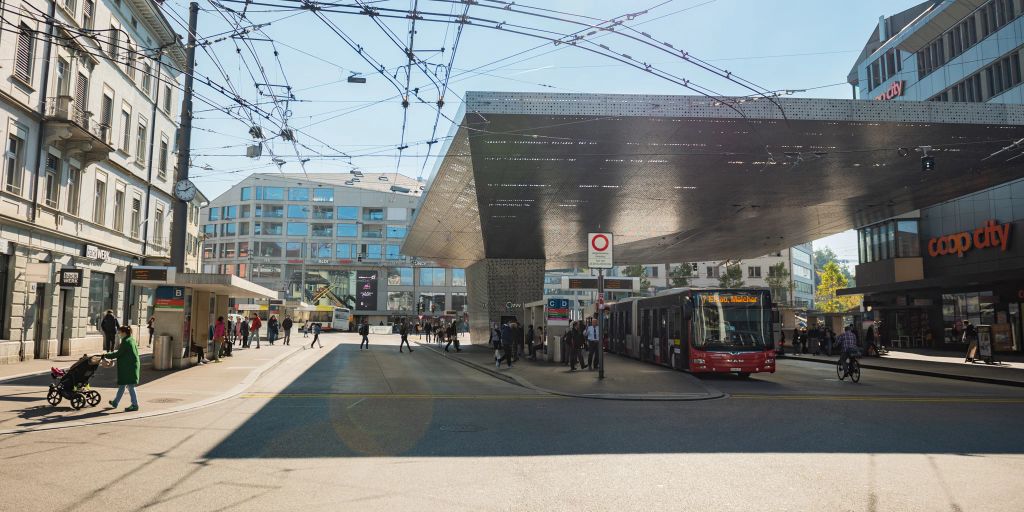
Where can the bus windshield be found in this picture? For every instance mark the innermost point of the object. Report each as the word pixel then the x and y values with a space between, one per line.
pixel 731 321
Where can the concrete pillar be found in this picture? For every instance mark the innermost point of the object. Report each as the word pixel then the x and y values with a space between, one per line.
pixel 221 308
pixel 201 317
pixel 500 287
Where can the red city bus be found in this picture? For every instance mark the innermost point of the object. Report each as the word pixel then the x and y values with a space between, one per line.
pixel 698 330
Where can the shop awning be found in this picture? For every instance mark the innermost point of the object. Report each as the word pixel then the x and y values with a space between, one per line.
pixel 220 284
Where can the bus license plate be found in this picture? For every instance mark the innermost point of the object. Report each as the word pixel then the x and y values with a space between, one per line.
pixel 735 369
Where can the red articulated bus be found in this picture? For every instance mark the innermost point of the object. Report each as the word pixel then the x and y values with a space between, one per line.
pixel 696 329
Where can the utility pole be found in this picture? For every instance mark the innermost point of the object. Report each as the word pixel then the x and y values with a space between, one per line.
pixel 180 221
pixel 600 323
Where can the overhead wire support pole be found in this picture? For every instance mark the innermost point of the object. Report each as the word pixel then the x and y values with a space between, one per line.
pixel 600 324
pixel 180 222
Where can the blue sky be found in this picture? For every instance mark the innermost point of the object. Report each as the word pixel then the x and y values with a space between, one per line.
pixel 778 44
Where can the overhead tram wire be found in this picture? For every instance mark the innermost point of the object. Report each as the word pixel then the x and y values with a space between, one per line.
pixel 440 101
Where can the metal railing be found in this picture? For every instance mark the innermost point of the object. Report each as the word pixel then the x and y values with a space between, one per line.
pixel 63 108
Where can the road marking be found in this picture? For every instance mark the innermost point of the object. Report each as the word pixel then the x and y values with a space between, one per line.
pixel 357 403
pixel 939 399
pixel 412 396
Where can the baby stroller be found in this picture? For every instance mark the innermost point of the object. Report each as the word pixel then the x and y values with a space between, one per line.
pixel 73 383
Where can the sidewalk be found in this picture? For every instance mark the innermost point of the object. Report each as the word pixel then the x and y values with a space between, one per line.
pixel 23 405
pixel 933 364
pixel 625 379
pixel 37 366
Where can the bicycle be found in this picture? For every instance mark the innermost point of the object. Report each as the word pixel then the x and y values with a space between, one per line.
pixel 852 369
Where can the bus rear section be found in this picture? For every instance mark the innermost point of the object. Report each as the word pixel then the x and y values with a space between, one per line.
pixel 732 332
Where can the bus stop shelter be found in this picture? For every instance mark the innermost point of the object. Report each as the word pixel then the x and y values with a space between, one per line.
pixel 525 176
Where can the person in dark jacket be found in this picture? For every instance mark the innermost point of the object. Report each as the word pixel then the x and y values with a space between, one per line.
pixel 109 325
pixel 576 343
pixel 151 328
pixel 243 331
pixel 364 331
pixel 273 328
pixel 453 337
pixel 508 349
pixel 403 331
pixel 127 356
pixel 496 344
pixel 316 335
pixel 287 326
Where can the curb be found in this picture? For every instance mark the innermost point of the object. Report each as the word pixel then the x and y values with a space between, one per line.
pixel 236 390
pixel 519 381
pixel 923 373
pixel 47 371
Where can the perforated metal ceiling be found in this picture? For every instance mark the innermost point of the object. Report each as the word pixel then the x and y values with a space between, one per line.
pixel 680 179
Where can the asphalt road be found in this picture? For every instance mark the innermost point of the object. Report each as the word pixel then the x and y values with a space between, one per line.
pixel 348 430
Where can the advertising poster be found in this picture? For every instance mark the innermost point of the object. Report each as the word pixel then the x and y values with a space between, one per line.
pixel 366 290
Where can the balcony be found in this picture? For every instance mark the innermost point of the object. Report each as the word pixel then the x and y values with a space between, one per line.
pixel 72 130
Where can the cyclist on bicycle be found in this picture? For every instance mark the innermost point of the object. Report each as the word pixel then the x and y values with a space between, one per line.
pixel 847 341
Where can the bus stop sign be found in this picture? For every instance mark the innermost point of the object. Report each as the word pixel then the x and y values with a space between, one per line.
pixel 599 250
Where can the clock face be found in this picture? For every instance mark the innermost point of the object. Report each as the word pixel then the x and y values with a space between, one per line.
pixel 185 190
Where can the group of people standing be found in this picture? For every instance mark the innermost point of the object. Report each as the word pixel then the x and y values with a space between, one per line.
pixel 510 341
pixel 581 335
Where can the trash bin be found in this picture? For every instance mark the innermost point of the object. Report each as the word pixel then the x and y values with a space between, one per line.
pixel 162 353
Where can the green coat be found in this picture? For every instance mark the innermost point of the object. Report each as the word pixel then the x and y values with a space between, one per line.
pixel 127 356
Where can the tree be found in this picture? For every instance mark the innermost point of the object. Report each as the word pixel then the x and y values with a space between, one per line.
pixel 833 280
pixel 680 276
pixel 779 282
pixel 732 277
pixel 641 272
pixel 822 257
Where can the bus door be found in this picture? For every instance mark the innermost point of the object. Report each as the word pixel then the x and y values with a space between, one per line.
pixel 675 321
pixel 645 334
pixel 665 346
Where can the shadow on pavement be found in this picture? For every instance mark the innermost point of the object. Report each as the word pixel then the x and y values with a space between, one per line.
pixel 316 416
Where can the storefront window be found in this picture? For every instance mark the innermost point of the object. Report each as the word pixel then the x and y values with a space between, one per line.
pixel 400 276
pixel 431 302
pixel 102 292
pixel 908 244
pixel 460 302
pixel 400 301
pixel 459 278
pixel 432 277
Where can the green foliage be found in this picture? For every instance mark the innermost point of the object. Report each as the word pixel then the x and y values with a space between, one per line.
pixel 732 277
pixel 833 280
pixel 680 276
pixel 779 282
pixel 822 257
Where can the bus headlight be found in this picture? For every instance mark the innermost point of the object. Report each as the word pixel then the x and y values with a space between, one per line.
pixel 769 361
pixel 698 361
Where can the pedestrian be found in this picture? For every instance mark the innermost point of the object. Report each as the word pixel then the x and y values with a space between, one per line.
pixel 518 338
pixel 151 329
pixel 254 329
pixel 364 331
pixel 218 338
pixel 429 328
pixel 453 337
pixel 305 329
pixel 578 342
pixel 243 330
pixel 316 336
pixel 109 325
pixel 508 349
pixel 273 328
pixel 287 326
pixel 127 356
pixel 495 342
pixel 593 344
pixel 403 332
pixel 236 330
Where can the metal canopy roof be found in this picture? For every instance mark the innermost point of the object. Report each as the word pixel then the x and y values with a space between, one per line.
pixel 681 178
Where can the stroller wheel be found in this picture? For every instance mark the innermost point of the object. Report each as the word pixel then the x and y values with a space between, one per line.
pixel 92 397
pixel 78 401
pixel 53 396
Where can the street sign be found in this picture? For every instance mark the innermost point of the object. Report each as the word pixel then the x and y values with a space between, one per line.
pixel 599 250
pixel 152 275
pixel 558 312
pixel 169 298
pixel 70 277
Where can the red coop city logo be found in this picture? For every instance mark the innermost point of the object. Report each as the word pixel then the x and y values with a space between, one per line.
pixel 895 90
pixel 991 235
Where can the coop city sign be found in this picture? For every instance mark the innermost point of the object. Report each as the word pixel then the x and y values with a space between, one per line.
pixel 990 235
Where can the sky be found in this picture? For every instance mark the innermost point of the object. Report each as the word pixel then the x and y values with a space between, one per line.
pixel 302 60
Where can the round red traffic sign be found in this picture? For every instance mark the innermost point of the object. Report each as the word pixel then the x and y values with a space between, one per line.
pixel 599 243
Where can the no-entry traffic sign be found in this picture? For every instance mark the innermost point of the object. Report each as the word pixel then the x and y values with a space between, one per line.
pixel 599 250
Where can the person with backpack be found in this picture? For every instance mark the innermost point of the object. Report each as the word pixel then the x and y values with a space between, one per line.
pixel 364 331
pixel 316 335
pixel 109 325
pixel 287 326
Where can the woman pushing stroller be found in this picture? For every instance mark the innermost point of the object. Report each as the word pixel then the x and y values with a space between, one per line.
pixel 127 356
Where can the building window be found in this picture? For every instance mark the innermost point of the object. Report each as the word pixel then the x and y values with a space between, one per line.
pixel 115 42
pixel 63 69
pixel 373 231
pixel 373 214
pixel 74 190
pixel 136 218
pixel 396 231
pixel 210 230
pixel 298 229
pixel 712 272
pixel 319 250
pixel 431 277
pixel 228 229
pixel 321 229
pixel 271 228
pixel 297 212
pixel 269 193
pixel 126 128
pixel 272 211
pixel 348 230
pixel 51 184
pixel 348 213
pixel 106 118
pixel 140 141
pixel 25 57
pixel 392 252
pixel 230 212
pixel 400 276
pixel 88 14
pixel 246 194
pixel 102 292
pixel 119 210
pixel 754 272
pixel 214 213
pixel 147 78
pixel 243 249
pixel 15 157
pixel 158 227
pixel 167 99
pixel 372 251
pixel 99 203
pixel 244 211
pixel 298 194
pixel 324 195
pixel 459 277
pixel 345 251
pixel 243 229
pixel 161 169
pixel 293 250
pixel 323 212
pixel 400 301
